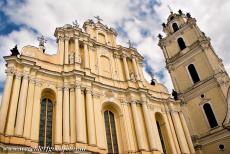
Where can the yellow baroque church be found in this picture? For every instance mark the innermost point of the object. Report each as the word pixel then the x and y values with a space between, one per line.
pixel 92 95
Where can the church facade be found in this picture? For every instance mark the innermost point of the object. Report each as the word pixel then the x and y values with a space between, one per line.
pixel 201 81
pixel 92 94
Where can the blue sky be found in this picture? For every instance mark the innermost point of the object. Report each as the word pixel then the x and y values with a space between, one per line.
pixel 22 21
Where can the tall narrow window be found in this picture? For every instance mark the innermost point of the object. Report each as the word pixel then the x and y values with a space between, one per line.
pixel 175 27
pixel 161 137
pixel 181 43
pixel 193 73
pixel 111 135
pixel 45 131
pixel 210 115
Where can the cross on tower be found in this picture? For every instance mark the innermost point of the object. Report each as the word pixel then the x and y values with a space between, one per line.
pixel 98 19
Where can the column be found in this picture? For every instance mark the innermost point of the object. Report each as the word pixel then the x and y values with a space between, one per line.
pixel 13 105
pixel 170 137
pixel 137 127
pixel 66 50
pixel 128 127
pixel 5 100
pixel 58 123
pixel 186 132
pixel 36 113
pixel 22 106
pixel 135 68
pixel 126 67
pixel 66 131
pixel 79 115
pixel 90 118
pixel 61 50
pixel 72 116
pixel 86 55
pixel 156 133
pixel 173 132
pixel 29 109
pixel 77 52
pixel 180 134
pixel 150 133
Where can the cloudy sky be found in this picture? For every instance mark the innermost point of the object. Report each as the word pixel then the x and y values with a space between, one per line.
pixel 22 21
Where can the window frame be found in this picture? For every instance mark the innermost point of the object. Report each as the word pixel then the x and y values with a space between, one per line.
pixel 204 114
pixel 188 72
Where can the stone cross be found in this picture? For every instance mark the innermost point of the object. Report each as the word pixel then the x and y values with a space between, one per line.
pixel 98 18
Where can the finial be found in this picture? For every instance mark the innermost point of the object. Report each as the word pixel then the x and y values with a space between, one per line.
pixel 14 51
pixel 130 44
pixel 159 36
pixel 75 23
pixel 175 94
pixel 188 15
pixel 170 9
pixel 180 12
pixel 153 81
pixel 42 42
pixel 98 19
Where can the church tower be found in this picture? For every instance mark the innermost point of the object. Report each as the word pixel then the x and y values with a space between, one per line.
pixel 201 81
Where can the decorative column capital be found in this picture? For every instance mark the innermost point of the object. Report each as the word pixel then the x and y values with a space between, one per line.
pixel 88 90
pixel 66 38
pixel 66 88
pixel 123 56
pixel 38 83
pixel 78 86
pixel 59 88
pixel 32 80
pixel 72 89
pixel 10 71
pixel 18 75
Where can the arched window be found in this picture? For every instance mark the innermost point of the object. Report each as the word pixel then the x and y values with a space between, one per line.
pixel 111 135
pixel 193 73
pixel 46 115
pixel 175 27
pixel 210 115
pixel 181 43
pixel 161 137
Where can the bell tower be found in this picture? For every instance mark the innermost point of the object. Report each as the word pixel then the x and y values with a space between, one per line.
pixel 200 79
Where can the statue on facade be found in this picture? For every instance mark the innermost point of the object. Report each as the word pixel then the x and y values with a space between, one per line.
pixel 14 51
pixel 75 24
pixel 175 94
pixel 159 36
pixel 42 42
pixel 130 44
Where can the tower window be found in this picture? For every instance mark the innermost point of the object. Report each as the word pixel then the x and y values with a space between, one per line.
pixel 175 27
pixel 210 115
pixel 111 135
pixel 181 43
pixel 193 73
